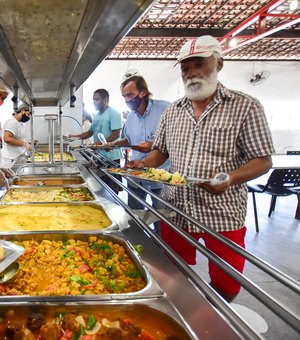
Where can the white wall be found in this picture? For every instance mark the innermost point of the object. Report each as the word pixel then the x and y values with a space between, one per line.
pixel 71 118
pixel 280 93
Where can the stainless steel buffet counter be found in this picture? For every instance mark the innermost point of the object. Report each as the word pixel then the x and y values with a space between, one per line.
pixel 201 310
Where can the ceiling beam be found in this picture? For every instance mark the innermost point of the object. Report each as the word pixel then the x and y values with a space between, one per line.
pixel 197 32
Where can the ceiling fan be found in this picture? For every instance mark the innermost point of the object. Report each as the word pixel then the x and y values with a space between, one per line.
pixel 259 78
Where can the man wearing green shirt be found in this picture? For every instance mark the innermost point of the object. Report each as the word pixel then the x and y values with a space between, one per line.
pixel 108 122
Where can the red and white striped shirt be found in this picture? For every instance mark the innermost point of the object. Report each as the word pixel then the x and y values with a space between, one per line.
pixel 231 131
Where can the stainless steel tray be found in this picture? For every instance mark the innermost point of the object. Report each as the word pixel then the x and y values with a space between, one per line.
pixel 47 169
pixel 45 214
pixel 43 157
pixel 150 290
pixel 159 314
pixel 45 147
pixel 48 194
pixel 47 180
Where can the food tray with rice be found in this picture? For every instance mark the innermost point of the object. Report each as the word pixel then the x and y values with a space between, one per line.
pixel 85 216
pixel 77 266
pixel 48 180
pixel 41 157
pixel 157 175
pixel 48 194
pixel 146 319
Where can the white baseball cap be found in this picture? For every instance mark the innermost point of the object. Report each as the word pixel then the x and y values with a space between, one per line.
pixel 131 73
pixel 203 47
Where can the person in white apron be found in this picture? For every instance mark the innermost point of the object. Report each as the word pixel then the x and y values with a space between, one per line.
pixel 14 138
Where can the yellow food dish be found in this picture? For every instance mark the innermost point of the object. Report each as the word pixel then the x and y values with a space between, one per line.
pixel 60 216
pixel 44 157
pixel 48 195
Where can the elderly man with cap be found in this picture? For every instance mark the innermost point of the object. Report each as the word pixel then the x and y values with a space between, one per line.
pixel 14 137
pixel 212 129
pixel 140 129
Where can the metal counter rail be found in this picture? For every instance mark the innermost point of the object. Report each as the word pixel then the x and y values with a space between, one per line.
pixel 286 315
pixel 242 327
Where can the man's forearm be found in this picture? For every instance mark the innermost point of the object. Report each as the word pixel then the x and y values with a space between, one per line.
pixel 254 168
pixel 155 159
pixel 14 141
pixel 83 135
pixel 122 142
pixel 113 136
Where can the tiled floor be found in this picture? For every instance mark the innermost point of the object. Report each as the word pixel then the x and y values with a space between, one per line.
pixel 277 243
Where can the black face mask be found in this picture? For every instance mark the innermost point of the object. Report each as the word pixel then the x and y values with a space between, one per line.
pixel 134 103
pixel 24 118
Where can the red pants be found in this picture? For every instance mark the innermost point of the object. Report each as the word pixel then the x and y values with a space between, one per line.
pixel 188 253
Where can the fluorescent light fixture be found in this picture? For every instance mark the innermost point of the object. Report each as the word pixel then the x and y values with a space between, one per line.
pixel 233 42
pixel 294 5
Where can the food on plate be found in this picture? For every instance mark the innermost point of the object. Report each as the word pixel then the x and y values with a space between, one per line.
pixel 74 267
pixel 44 157
pixel 48 195
pixel 61 216
pixel 153 174
pixel 165 176
pixel 2 253
pixel 84 323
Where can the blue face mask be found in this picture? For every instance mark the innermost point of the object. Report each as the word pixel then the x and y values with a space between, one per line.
pixel 134 103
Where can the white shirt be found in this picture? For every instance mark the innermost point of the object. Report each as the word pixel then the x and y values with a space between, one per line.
pixel 18 129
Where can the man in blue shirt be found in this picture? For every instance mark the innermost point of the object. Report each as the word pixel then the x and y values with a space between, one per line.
pixel 139 130
pixel 109 123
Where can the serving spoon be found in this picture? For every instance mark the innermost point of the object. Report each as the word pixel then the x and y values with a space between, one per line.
pixel 9 273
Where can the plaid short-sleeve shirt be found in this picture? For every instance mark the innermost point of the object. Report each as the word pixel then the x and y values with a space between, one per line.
pixel 231 131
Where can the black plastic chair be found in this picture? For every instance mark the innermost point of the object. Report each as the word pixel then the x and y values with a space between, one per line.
pixel 293 152
pixel 253 189
pixel 282 182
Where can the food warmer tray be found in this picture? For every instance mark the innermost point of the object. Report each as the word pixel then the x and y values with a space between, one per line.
pixel 151 289
pixel 158 312
pixel 44 169
pixel 47 180
pixel 25 215
pixel 45 147
pixel 46 192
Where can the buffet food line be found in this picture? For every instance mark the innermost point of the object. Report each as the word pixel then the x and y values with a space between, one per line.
pixel 105 255
pixel 284 312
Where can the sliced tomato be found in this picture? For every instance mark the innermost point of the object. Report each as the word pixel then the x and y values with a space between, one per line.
pixel 84 268
pixel 144 335
pixel 86 337
pixel 127 322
